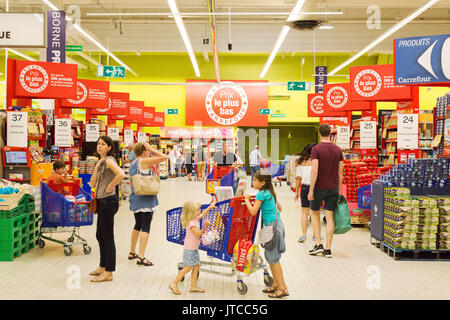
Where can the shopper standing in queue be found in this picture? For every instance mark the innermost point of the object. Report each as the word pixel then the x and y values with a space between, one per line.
pixel 326 181
pixel 201 163
pixel 107 175
pixel 143 207
pixel 189 163
pixel 303 181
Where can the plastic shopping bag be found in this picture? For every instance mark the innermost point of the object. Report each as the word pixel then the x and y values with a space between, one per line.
pixel 342 216
pixel 245 255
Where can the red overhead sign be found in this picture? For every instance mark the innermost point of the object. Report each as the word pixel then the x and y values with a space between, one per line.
pixel 118 105
pixel 337 121
pixel 159 119
pixel 337 98
pixel 316 107
pixel 148 116
pixel 226 104
pixel 136 110
pixel 44 79
pixel 376 83
pixel 90 94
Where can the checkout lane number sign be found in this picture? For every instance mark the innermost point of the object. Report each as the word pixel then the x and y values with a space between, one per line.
pixel 17 129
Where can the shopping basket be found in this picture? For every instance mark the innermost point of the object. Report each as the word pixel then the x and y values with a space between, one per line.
pixel 233 222
pixel 364 197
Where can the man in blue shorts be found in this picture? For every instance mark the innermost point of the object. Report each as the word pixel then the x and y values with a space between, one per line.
pixel 326 181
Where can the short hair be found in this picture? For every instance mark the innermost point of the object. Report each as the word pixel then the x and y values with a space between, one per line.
pixel 324 130
pixel 58 164
pixel 139 149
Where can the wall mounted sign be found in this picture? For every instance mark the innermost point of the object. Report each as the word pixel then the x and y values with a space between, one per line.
pixel 56 36
pixel 23 30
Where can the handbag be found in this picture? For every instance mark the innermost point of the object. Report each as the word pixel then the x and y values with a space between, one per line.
pixel 93 206
pixel 267 236
pixel 342 219
pixel 145 185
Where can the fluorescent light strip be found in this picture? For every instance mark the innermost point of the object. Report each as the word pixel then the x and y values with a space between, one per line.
pixel 281 38
pixel 184 35
pixel 22 55
pixel 189 14
pixel 89 37
pixel 385 35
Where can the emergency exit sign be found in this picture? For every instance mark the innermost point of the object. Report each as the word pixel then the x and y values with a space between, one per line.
pixel 265 111
pixel 299 86
pixel 111 71
pixel 171 111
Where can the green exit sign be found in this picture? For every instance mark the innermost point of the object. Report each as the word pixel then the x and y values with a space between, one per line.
pixel 171 111
pixel 265 111
pixel 299 86
pixel 111 71
pixel 74 48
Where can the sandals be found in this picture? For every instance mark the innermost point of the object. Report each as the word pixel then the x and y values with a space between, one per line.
pixel 279 293
pixel 174 289
pixel 144 261
pixel 196 289
pixel 102 278
pixel 270 290
pixel 96 273
pixel 132 256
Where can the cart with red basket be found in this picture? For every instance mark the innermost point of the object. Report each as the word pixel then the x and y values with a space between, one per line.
pixel 65 214
pixel 219 177
pixel 232 222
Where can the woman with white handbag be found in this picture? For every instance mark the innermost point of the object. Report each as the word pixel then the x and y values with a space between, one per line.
pixel 272 234
pixel 143 197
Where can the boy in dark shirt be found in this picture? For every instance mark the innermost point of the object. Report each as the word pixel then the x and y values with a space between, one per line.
pixel 326 180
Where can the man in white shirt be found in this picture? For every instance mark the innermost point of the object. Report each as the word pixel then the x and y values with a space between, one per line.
pixel 255 161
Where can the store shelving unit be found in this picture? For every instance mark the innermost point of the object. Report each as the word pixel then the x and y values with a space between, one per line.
pixel 388 141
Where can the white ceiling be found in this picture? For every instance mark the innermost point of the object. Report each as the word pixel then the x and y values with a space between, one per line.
pixel 249 34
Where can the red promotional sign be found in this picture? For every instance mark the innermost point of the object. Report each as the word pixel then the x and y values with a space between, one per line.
pixel 159 119
pixel 376 83
pixel 337 121
pixel 316 107
pixel 45 79
pixel 337 98
pixel 148 116
pixel 118 105
pixel 90 94
pixel 226 104
pixel 136 110
pixel 370 115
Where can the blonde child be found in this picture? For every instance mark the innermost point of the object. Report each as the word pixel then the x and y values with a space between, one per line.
pixel 190 219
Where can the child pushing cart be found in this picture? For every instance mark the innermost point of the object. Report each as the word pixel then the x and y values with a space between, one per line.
pixel 230 224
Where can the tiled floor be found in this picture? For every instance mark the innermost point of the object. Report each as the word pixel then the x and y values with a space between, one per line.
pixel 357 270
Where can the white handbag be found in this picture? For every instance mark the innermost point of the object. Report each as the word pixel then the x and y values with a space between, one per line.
pixel 267 236
pixel 145 185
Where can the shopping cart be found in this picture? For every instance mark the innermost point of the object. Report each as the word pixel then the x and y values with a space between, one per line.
pixel 219 177
pixel 233 222
pixel 277 173
pixel 364 197
pixel 59 215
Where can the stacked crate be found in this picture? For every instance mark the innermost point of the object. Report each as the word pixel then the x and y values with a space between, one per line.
pixel 444 222
pixel 19 226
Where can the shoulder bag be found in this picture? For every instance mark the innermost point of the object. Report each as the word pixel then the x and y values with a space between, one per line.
pixel 93 203
pixel 267 236
pixel 145 185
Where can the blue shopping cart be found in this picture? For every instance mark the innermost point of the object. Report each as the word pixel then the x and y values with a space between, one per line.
pixel 277 173
pixel 59 215
pixel 233 222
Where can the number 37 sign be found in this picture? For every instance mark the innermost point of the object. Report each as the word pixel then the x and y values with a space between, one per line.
pixel 17 129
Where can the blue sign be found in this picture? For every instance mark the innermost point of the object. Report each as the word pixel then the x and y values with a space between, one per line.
pixel 56 36
pixel 321 78
pixel 422 60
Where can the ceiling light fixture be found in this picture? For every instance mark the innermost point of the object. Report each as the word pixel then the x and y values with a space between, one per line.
pixel 190 14
pixel 89 37
pixel 21 55
pixel 281 37
pixel 328 27
pixel 385 35
pixel 184 35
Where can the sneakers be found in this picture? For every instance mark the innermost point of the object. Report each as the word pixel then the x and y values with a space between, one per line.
pixel 327 253
pixel 317 249
pixel 301 239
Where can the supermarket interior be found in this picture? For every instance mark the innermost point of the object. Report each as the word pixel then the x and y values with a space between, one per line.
pixel 150 145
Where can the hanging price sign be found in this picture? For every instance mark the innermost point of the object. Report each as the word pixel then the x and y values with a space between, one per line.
pixel 408 131
pixel 343 137
pixel 63 132
pixel 142 137
pixel 17 130
pixel 128 137
pixel 92 132
pixel 113 133
pixel 368 131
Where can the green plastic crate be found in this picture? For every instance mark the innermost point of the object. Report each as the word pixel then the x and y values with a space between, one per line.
pixel 9 227
pixel 6 245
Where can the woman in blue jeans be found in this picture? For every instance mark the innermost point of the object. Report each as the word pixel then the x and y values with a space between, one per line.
pixel 266 200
